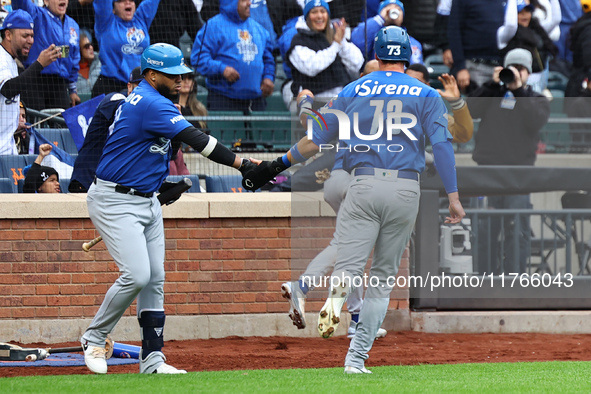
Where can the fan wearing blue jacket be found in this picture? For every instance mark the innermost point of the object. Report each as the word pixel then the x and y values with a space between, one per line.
pixel 122 34
pixel 234 53
pixel 390 13
pixel 55 87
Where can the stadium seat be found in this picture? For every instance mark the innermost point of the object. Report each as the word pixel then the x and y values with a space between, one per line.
pixel 54 136
pixel 434 64
pixel 69 145
pixel 275 102
pixel 224 184
pixel 227 131
pixel 11 166
pixel 195 187
pixel 7 185
pixel 270 132
pixel 557 81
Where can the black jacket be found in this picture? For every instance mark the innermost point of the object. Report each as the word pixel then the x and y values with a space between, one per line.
pixel 507 136
pixel 581 47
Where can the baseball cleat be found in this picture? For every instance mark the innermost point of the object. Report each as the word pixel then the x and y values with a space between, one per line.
pixel 169 369
pixel 349 370
pixel 297 300
pixel 353 328
pixel 94 358
pixel 329 317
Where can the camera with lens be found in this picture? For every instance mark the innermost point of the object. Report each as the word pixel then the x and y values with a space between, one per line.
pixel 506 76
pixel 64 50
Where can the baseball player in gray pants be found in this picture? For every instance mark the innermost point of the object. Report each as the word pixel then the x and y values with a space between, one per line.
pixel 382 201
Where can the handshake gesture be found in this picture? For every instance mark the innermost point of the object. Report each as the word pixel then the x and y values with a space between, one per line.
pixel 255 176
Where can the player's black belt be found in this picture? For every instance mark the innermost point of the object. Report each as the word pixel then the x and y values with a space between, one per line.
pixel 127 190
pixel 401 173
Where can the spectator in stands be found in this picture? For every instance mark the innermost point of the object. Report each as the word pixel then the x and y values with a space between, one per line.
pixel 320 57
pixel 82 11
pixel 508 135
pixel 578 107
pixel 234 52
pixel 281 12
pixel 90 65
pixel 55 87
pixel 190 106
pixel 96 135
pixel 22 137
pixel 571 11
pixel 122 33
pixel 42 179
pixel 17 40
pixel 441 22
pixel 173 19
pixel 581 48
pixel 521 30
pixel 471 32
pixel 391 12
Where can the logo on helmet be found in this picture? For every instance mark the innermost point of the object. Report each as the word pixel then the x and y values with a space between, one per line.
pixel 155 62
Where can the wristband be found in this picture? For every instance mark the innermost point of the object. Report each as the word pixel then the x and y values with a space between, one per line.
pixel 457 104
pixel 285 160
pixel 295 153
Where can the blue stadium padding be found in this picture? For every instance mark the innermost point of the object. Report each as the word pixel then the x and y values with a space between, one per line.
pixel 69 144
pixel 195 188
pixel 7 185
pixel 54 136
pixel 224 184
pixel 11 166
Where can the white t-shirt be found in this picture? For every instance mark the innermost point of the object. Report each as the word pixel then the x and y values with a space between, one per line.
pixel 9 107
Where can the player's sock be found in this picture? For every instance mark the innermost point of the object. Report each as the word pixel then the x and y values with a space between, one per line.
pixel 355 317
pixel 152 330
pixel 304 286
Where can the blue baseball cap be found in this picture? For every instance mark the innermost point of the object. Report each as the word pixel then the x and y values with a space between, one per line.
pixel 19 19
pixel 315 3
pixel 521 4
pixel 386 3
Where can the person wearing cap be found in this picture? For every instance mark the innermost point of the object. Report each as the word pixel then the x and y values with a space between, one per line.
pixel 512 115
pixel 123 206
pixel 122 32
pixel 96 135
pixel 55 87
pixel 42 179
pixel 390 13
pixel 320 57
pixel 17 39
pixel 235 54
pixel 522 30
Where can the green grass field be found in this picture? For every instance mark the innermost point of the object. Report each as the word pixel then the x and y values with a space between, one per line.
pixel 494 378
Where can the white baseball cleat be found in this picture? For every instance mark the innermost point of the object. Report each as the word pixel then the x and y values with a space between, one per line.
pixel 169 369
pixel 349 370
pixel 297 300
pixel 353 328
pixel 155 362
pixel 94 358
pixel 329 317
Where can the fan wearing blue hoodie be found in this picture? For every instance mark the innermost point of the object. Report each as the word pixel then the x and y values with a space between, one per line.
pixel 234 53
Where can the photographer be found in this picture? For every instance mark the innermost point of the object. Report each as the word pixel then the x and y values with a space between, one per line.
pixel 55 87
pixel 512 115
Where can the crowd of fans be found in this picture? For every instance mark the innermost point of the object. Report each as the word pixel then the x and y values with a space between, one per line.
pixel 245 50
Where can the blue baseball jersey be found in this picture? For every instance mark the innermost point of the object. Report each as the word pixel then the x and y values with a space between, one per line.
pixel 382 120
pixel 138 151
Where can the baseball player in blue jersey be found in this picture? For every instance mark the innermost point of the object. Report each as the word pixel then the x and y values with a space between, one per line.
pixel 381 122
pixel 123 207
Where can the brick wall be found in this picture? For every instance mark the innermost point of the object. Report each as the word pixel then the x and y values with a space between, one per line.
pixel 213 266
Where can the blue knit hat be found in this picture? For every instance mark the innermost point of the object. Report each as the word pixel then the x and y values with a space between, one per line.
pixel 521 4
pixel 315 3
pixel 385 3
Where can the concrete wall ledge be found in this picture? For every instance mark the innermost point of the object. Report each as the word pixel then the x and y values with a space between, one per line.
pixel 547 322
pixel 189 206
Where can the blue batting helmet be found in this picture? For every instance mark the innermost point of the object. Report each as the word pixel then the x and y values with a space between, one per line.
pixel 392 43
pixel 165 58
